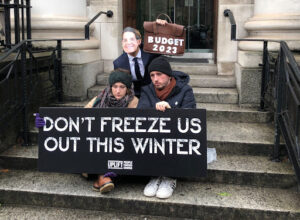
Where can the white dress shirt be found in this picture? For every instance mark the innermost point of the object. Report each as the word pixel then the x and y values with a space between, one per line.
pixel 140 62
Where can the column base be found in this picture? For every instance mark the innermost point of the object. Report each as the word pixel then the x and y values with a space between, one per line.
pixel 248 81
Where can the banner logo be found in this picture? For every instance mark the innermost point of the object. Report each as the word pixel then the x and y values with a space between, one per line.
pixel 119 165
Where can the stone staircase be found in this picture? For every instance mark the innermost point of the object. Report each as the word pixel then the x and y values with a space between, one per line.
pixel 242 184
pixel 207 85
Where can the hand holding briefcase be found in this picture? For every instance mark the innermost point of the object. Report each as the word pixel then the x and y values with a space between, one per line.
pixel 168 39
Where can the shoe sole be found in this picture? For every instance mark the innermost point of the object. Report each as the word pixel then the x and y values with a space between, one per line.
pixel 163 197
pixel 107 188
pixel 149 195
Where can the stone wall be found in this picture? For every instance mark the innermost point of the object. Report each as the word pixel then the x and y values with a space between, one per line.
pixel 227 49
pixel 107 30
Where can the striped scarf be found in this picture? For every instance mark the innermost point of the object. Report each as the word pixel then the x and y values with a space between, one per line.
pixel 106 99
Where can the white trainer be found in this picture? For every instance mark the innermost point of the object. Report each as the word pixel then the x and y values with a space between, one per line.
pixel 152 186
pixel 166 188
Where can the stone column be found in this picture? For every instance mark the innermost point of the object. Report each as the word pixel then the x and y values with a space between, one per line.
pixel 65 19
pixel 274 20
pixel 271 20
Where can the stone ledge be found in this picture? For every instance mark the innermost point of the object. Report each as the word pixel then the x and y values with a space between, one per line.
pixel 273 24
pixel 272 46
pixel 80 56
pixel 70 44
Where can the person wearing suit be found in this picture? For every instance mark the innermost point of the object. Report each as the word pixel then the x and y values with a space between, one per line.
pixel 134 58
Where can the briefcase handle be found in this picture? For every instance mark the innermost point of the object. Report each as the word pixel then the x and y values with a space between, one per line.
pixel 175 31
pixel 154 24
pixel 167 16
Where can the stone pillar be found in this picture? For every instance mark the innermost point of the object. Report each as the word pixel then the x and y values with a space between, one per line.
pixel 274 20
pixel 108 30
pixel 65 19
pixel 271 20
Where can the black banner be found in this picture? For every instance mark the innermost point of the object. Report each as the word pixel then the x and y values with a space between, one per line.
pixel 125 141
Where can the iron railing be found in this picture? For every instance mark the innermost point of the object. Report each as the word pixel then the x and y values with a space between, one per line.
pixel 280 90
pixel 287 99
pixel 20 68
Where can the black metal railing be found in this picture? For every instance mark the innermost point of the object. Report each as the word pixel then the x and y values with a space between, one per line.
pixel 280 91
pixel 19 30
pixel 20 69
pixel 287 118
pixel 20 83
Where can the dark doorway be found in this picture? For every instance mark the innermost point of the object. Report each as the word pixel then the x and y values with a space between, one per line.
pixel 198 16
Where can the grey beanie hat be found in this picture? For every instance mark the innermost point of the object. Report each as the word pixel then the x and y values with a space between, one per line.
pixel 119 76
pixel 160 64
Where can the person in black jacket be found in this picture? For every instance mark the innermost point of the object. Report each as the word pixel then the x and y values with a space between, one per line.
pixel 169 89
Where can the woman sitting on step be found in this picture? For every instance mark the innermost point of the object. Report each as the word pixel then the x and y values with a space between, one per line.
pixel 118 94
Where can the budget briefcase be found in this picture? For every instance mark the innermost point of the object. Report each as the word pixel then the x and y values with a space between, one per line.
pixel 166 39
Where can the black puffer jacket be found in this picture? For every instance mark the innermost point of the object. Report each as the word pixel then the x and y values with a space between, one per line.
pixel 182 95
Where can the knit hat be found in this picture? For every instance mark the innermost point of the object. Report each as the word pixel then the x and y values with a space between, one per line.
pixel 160 64
pixel 119 76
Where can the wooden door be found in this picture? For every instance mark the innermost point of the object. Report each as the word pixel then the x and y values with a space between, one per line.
pixel 129 13
pixel 216 9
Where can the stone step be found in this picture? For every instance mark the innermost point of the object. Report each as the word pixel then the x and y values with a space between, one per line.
pixel 214 112
pixel 192 56
pixel 24 212
pixel 235 113
pixel 241 138
pixel 189 200
pixel 212 81
pixel 202 95
pixel 69 104
pixel 229 168
pixel 203 81
pixel 102 79
pixel 94 91
pixel 216 95
pixel 195 68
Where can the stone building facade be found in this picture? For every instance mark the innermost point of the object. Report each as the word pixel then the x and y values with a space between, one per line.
pixel 261 19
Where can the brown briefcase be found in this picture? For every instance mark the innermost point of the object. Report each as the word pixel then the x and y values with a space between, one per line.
pixel 166 39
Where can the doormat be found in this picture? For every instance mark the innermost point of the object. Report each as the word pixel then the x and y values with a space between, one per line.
pixel 187 60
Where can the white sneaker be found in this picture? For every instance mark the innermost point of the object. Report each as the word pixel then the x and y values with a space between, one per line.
pixel 166 188
pixel 152 186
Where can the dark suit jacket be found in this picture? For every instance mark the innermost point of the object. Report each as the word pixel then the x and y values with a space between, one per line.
pixel 123 62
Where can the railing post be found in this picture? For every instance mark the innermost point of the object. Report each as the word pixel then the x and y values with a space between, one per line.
pixel 264 76
pixel 7 24
pixel 17 22
pixel 25 98
pixel 22 16
pixel 59 71
pixel 28 21
pixel 279 99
